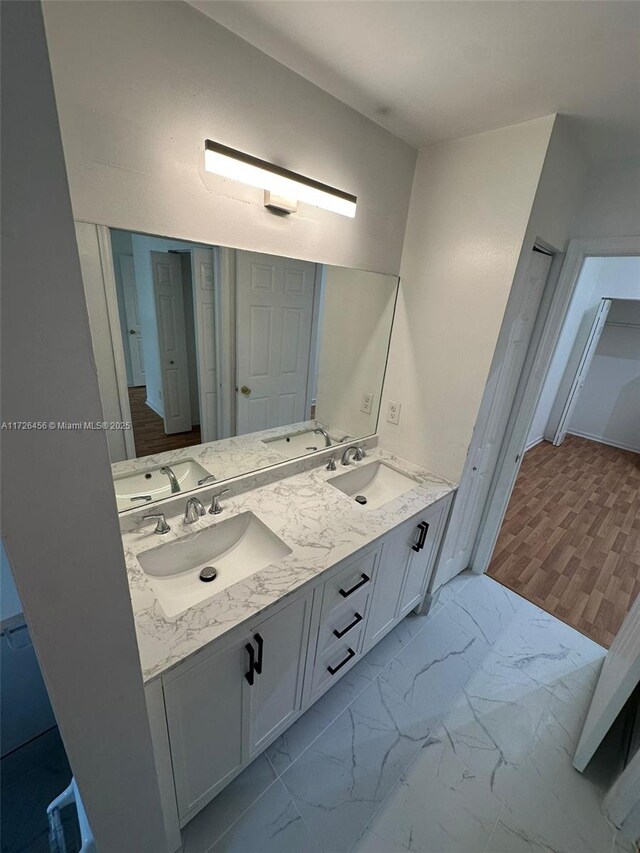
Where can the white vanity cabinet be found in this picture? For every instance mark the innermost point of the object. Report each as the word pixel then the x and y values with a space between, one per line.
pixel 223 708
pixel 219 709
pixel 408 554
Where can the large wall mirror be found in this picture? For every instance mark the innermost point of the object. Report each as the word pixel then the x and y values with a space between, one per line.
pixel 228 360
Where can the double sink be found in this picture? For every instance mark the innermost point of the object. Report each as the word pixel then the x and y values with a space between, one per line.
pixel 192 569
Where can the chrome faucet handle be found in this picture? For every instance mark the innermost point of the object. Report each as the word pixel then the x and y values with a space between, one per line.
pixel 331 464
pixel 161 526
pixel 357 454
pixel 193 510
pixel 206 479
pixel 215 508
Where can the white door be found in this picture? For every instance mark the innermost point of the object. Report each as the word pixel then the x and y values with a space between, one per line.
pixel 618 679
pixel 132 314
pixel 274 298
pixel 172 342
pixel 595 333
pixel 493 416
pixel 204 300
pixel 276 693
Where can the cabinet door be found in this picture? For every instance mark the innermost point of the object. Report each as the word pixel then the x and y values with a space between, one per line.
pixel 204 718
pixel 388 584
pixel 426 539
pixel 276 693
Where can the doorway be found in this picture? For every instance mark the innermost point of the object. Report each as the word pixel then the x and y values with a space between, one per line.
pixel 570 538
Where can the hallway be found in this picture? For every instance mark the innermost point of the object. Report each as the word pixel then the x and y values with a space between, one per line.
pixel 570 541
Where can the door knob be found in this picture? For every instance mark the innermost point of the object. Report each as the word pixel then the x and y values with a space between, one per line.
pixel 245 390
pixel 132 331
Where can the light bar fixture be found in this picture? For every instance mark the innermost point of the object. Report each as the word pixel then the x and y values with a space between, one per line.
pixel 239 166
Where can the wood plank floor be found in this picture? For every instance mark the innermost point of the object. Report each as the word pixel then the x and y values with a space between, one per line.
pixel 148 428
pixel 570 541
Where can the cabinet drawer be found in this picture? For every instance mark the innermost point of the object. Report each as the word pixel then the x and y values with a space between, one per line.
pixel 344 623
pixel 355 577
pixel 336 660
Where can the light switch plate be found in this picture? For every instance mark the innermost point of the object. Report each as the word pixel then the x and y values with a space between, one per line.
pixel 367 403
pixel 393 412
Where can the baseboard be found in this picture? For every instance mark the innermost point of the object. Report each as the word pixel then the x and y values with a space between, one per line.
pixel 533 443
pixel 600 440
pixel 155 408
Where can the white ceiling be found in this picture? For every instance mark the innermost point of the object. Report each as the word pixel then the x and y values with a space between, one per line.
pixel 432 71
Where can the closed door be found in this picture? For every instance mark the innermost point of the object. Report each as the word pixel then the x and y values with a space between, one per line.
pixel 172 341
pixel 493 416
pixel 204 716
pixel 389 580
pixel 577 384
pixel 280 645
pixel 132 314
pixel 274 298
pixel 421 549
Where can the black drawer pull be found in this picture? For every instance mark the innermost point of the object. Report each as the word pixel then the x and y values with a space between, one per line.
pixel 423 527
pixel 260 643
pixel 255 666
pixel 357 618
pixel 252 663
pixel 334 669
pixel 345 593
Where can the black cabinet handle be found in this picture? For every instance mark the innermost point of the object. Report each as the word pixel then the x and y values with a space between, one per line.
pixel 357 618
pixel 255 666
pixel 334 669
pixel 345 593
pixel 252 663
pixel 260 644
pixel 423 527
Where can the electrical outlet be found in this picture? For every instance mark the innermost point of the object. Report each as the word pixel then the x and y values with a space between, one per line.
pixel 367 403
pixel 393 412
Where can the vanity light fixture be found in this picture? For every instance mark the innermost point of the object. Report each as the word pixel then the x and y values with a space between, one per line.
pixel 279 182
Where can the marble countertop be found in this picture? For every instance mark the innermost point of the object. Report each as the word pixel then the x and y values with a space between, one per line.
pixel 228 457
pixel 320 524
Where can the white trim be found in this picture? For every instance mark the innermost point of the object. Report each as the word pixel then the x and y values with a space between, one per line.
pixel 513 444
pixel 534 443
pixel 316 327
pixel 111 299
pixel 600 440
pixel 154 408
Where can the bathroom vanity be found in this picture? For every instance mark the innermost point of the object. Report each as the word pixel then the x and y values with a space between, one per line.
pixel 228 670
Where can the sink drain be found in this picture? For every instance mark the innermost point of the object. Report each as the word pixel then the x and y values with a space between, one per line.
pixel 360 499
pixel 208 574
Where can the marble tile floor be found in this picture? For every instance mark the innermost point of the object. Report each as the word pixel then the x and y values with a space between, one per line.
pixel 453 735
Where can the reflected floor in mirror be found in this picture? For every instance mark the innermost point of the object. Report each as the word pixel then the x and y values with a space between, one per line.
pixel 148 428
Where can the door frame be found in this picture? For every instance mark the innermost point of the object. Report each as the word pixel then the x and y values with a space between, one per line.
pixel 111 299
pixel 532 381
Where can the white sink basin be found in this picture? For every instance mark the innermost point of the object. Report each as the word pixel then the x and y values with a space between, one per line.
pixel 152 482
pixel 236 548
pixel 377 482
pixel 299 443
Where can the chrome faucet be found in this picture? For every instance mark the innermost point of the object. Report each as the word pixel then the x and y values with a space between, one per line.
pixel 175 485
pixel 323 432
pixel 193 510
pixel 358 454
pixel 215 508
pixel 161 526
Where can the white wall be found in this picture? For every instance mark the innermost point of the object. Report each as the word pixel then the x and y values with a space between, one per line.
pixel 470 207
pixel 140 86
pixel 357 313
pixel 608 409
pixel 59 521
pixel 610 205
pixel 617 278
